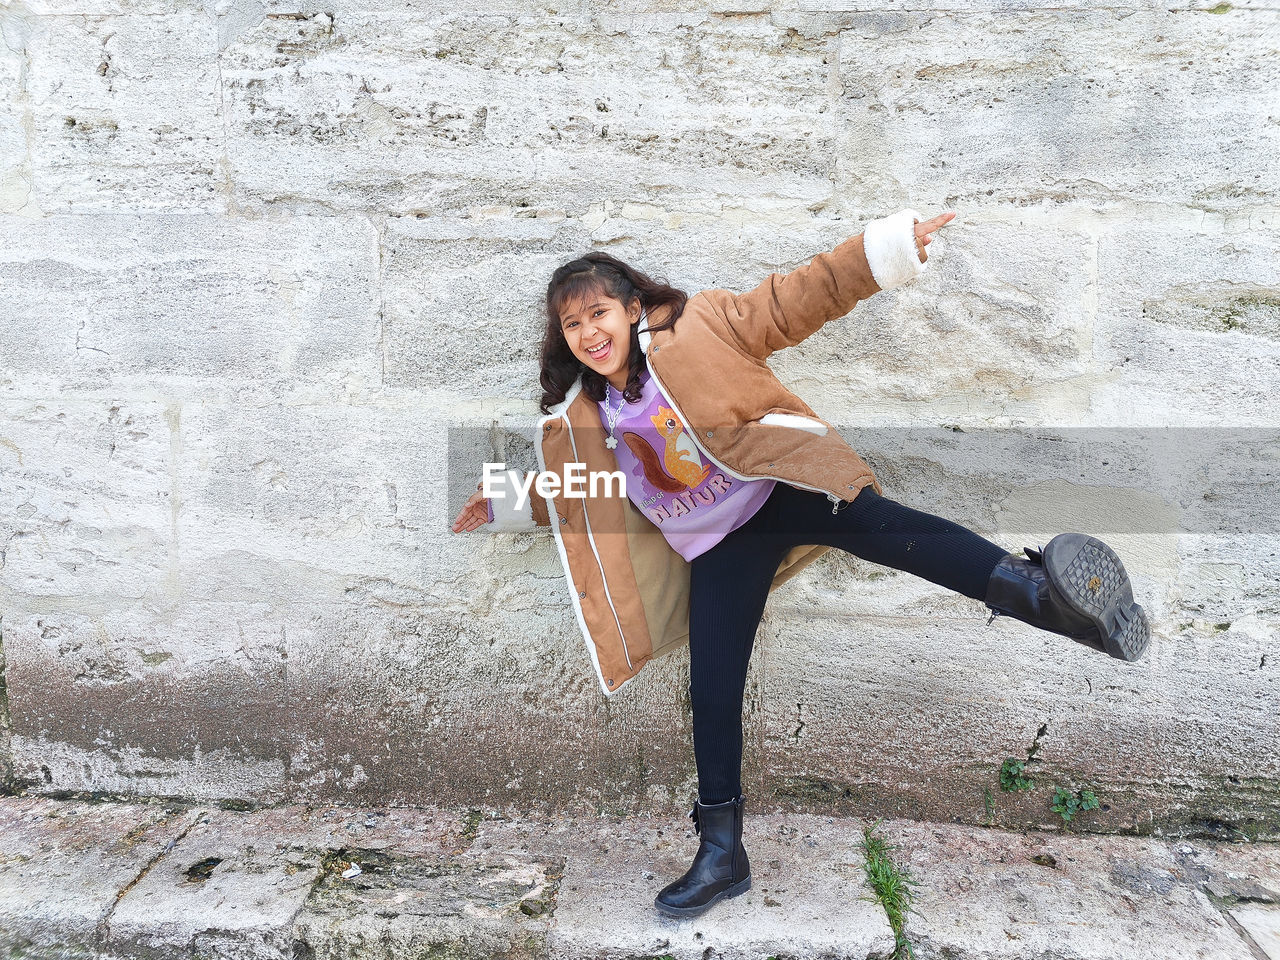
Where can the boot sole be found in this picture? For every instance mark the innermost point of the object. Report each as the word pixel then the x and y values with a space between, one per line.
pixel 1090 577
pixel 741 887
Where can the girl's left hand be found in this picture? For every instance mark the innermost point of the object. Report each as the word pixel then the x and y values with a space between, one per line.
pixel 925 227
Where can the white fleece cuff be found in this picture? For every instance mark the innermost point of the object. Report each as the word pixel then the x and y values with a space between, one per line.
pixel 507 517
pixel 890 246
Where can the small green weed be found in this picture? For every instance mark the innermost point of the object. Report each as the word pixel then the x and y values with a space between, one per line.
pixel 1067 804
pixel 892 886
pixel 1012 770
pixel 1011 778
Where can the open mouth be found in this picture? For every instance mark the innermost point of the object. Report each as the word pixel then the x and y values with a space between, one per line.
pixel 601 351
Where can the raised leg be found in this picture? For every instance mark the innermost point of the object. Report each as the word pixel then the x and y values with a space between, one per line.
pixel 884 531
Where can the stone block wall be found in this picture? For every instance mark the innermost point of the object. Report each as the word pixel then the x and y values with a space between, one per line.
pixel 261 260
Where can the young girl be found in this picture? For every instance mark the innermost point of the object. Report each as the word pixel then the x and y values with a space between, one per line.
pixel 732 486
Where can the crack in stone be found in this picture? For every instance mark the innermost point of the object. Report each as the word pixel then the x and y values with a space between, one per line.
pixel 1222 908
pixel 103 930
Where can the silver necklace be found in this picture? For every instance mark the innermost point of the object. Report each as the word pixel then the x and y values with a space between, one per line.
pixel 610 441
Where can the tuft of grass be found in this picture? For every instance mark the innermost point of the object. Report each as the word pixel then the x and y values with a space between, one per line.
pixel 893 887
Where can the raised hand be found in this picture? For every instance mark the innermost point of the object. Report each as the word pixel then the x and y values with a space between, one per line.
pixel 926 227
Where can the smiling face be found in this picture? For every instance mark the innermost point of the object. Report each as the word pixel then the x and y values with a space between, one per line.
pixel 597 329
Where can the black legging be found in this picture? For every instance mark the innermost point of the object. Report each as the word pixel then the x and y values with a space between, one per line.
pixel 730 583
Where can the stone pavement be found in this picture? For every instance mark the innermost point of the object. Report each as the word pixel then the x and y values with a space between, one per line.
pixel 167 880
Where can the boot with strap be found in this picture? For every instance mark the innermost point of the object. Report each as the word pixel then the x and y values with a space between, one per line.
pixel 1075 586
pixel 720 867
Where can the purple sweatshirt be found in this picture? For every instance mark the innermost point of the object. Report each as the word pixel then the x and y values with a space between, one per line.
pixel 694 504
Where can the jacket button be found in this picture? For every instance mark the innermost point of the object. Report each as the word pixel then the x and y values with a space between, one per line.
pixel 564 520
pixel 610 683
pixel 711 433
pixel 582 594
pixel 656 349
pixel 771 464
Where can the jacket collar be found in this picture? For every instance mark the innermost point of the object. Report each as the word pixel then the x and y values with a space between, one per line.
pixel 644 334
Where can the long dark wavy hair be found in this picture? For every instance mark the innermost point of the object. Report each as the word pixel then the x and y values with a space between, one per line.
pixel 599 273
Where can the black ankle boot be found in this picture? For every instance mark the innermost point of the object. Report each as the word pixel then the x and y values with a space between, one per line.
pixel 720 868
pixel 1077 587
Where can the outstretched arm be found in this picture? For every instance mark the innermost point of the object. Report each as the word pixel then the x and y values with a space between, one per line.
pixel 507 517
pixel 787 308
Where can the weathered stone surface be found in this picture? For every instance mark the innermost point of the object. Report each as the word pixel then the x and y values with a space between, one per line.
pixel 180 300
pixel 463 298
pixel 1016 335
pixel 1213 309
pixel 450 113
pixel 465 907
pixel 269 884
pixel 1033 113
pixel 100 880
pixel 981 895
pixel 1262 924
pixel 809 896
pixel 64 867
pixel 458 732
pixel 342 607
pixel 1231 874
pixel 913 717
pixel 229 889
pixel 15 172
pixel 124 113
pixel 119 880
pixel 256 499
pixel 835 8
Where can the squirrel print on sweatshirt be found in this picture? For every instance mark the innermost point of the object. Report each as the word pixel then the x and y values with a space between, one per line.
pixel 679 446
pixel 679 473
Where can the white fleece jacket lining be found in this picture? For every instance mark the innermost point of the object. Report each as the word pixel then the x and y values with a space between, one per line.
pixel 507 517
pixel 557 412
pixel 890 246
pixel 795 421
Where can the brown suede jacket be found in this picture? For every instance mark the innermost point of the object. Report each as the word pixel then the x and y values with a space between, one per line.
pixel 628 587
